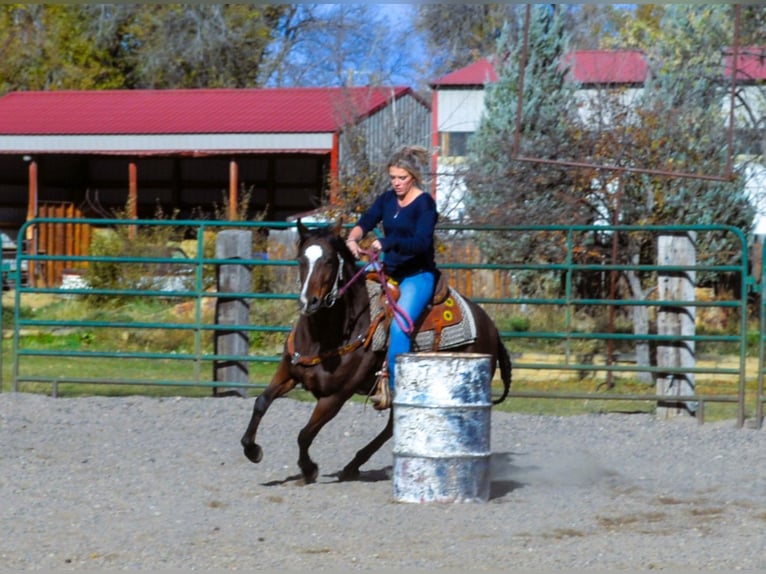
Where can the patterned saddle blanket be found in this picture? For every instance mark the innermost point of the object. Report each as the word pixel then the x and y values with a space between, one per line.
pixel 448 321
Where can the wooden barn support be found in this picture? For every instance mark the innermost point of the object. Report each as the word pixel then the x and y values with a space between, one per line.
pixel 132 196
pixel 233 183
pixel 31 237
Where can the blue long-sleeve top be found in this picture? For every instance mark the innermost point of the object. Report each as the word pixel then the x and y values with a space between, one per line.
pixel 408 242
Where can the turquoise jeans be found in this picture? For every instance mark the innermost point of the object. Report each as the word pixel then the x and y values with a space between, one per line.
pixel 415 293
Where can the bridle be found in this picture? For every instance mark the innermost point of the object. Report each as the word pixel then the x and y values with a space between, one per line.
pixel 338 290
pixel 336 293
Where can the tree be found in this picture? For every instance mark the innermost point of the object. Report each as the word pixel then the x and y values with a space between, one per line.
pixel 459 34
pixel 47 47
pixel 198 45
pixel 336 45
pixel 675 124
pixel 140 46
pixel 99 46
pixel 595 26
pixel 504 191
pixel 678 124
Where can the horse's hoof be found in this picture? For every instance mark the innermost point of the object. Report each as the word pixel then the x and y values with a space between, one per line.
pixel 253 452
pixel 348 474
pixel 310 475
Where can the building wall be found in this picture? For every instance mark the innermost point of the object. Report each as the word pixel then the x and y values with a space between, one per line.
pixel 460 110
pixel 405 121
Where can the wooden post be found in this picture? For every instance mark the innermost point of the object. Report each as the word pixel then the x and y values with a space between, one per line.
pixel 676 250
pixel 233 183
pixel 232 310
pixel 31 235
pixel 132 196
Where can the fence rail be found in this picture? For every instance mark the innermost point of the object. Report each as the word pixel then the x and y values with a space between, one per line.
pixel 571 314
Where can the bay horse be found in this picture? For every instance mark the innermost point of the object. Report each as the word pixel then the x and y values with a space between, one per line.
pixel 329 349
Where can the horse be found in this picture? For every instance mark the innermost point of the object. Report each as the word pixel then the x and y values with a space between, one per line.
pixel 329 349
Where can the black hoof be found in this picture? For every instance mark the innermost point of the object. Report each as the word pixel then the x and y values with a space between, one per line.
pixel 253 452
pixel 310 474
pixel 348 474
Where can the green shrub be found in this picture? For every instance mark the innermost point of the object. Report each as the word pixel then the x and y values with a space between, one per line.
pixel 517 324
pixel 141 242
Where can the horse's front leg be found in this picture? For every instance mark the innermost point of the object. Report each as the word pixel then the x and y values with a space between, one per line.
pixel 351 470
pixel 281 383
pixel 325 409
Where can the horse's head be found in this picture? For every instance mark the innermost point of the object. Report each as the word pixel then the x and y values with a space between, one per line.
pixel 320 267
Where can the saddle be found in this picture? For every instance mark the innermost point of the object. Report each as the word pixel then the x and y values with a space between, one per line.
pixel 447 313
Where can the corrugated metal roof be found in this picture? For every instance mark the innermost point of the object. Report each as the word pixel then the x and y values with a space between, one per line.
pixel 589 66
pixel 196 111
pixel 480 73
pixel 752 64
pixel 607 66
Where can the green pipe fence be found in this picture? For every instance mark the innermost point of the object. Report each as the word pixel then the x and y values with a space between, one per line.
pixel 568 315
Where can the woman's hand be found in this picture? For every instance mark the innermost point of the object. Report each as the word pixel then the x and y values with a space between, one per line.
pixel 353 246
pixel 376 246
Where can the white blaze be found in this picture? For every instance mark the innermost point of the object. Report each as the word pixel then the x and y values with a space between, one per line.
pixel 312 254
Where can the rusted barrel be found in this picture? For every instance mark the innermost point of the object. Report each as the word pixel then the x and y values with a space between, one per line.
pixel 442 407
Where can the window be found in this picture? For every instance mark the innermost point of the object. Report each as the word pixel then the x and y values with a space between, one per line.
pixel 454 143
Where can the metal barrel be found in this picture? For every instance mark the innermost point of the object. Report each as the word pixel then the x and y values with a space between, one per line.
pixel 442 405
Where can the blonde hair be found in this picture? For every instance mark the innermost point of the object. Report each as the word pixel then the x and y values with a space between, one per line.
pixel 412 158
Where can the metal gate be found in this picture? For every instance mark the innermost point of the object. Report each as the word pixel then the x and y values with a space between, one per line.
pixel 585 341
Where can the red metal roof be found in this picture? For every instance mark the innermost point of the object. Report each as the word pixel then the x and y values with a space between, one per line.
pixel 752 64
pixel 480 73
pixel 606 66
pixel 588 66
pixel 268 110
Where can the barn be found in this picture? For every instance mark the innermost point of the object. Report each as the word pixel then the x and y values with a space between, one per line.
pixel 190 152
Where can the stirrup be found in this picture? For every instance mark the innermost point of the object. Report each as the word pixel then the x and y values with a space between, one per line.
pixel 381 400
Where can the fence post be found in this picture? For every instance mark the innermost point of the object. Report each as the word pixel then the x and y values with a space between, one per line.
pixel 676 250
pixel 232 278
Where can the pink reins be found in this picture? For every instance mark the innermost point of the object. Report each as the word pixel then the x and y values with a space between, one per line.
pixel 400 315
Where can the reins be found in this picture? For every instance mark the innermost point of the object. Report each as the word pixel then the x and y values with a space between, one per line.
pixel 362 271
pixel 400 315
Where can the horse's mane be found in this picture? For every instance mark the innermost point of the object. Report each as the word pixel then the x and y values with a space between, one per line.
pixel 340 245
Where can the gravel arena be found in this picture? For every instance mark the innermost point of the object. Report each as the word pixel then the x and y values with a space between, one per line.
pixel 141 483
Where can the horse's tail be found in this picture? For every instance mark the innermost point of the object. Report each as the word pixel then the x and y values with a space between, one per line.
pixel 505 370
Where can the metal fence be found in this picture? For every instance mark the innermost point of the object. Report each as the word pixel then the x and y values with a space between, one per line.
pixel 569 315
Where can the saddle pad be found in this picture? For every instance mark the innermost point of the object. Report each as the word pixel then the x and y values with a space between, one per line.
pixel 452 336
pixel 380 336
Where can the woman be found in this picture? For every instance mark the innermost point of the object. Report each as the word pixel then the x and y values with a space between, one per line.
pixel 408 215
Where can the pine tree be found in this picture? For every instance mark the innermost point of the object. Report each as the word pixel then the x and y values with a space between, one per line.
pixel 502 190
pixel 680 125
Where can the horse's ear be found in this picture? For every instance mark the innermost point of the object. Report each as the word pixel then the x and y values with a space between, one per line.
pixel 337 228
pixel 303 231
